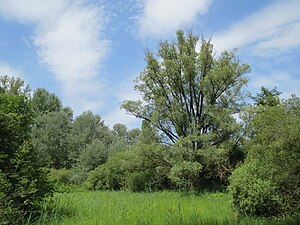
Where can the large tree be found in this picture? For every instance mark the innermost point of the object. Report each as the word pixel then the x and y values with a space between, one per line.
pixel 50 137
pixel 191 96
pixel 188 91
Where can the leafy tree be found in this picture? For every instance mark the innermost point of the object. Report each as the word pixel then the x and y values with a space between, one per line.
pixel 128 136
pixel 44 102
pixel 93 155
pixel 133 135
pixel 189 92
pixel 121 131
pixel 267 184
pixel 267 97
pixel 14 85
pixel 87 128
pixel 191 97
pixel 50 138
pixel 23 182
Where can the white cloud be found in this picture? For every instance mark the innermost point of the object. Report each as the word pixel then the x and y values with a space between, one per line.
pixel 162 17
pixel 283 81
pixel 6 69
pixel 272 30
pixel 68 38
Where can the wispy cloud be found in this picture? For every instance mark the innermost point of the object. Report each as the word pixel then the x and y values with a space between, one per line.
pixel 69 43
pixel 6 69
pixel 273 29
pixel 279 79
pixel 160 18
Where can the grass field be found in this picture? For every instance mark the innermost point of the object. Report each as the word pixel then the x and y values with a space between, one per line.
pixel 159 208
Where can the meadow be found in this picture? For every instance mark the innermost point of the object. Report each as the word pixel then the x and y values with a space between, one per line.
pixel 158 208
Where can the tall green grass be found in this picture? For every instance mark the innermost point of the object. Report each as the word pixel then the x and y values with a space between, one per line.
pixel 159 208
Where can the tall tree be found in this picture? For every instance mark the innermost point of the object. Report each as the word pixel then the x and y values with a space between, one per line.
pixel 87 128
pixel 50 138
pixel 191 97
pixel 189 92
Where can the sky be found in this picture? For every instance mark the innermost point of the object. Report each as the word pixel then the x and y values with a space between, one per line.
pixel 88 52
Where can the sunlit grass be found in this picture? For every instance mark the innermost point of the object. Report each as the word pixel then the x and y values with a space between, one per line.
pixel 159 208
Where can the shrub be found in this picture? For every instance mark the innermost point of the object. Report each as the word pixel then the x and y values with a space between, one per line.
pixel 268 184
pixel 252 194
pixel 23 182
pixel 110 175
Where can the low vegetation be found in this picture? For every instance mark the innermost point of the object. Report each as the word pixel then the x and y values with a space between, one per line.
pixel 159 208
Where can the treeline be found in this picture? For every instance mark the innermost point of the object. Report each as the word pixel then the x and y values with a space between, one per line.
pixel 199 132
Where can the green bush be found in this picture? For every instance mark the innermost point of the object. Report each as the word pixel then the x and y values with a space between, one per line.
pixel 252 194
pixel 185 173
pixel 23 182
pixel 62 175
pixel 268 184
pixel 109 176
pixel 141 168
pixel 139 181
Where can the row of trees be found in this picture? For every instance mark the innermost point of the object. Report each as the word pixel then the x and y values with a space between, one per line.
pixel 190 138
pixel 38 134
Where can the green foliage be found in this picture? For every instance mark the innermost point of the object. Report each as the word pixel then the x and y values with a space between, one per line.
pixel 149 168
pixel 50 138
pixel 193 95
pixel 93 155
pixel 87 128
pixel 63 180
pixel 44 102
pixel 23 182
pixel 110 175
pixel 185 174
pixel 267 97
pixel 268 183
pixel 188 92
pixel 143 167
pixel 128 136
pixel 159 208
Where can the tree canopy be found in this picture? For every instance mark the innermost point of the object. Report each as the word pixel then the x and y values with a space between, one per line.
pixel 186 91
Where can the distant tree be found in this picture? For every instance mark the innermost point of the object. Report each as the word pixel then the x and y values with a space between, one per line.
pixel 87 128
pixel 50 138
pixel 44 102
pixel 128 136
pixel 14 85
pixel 23 182
pixel 121 131
pixel 267 97
pixel 93 155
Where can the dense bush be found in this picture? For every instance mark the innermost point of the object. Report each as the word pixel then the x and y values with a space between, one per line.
pixel 141 168
pixel 268 184
pixel 110 175
pixel 23 182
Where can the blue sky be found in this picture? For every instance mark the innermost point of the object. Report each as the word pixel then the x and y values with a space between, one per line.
pixel 89 51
